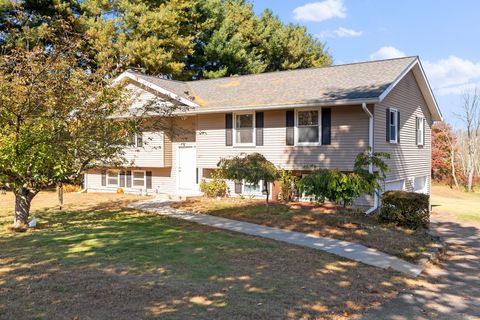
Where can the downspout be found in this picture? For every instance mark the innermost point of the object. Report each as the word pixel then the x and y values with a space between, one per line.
pixel 370 147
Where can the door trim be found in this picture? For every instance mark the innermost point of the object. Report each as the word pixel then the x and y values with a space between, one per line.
pixel 177 153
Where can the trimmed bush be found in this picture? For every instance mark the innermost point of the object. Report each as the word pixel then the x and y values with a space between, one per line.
pixel 288 184
pixel 214 188
pixel 406 209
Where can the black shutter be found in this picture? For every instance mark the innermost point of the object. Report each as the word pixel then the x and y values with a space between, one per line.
pixel 149 179
pixel 326 125
pixel 398 126
pixel 259 128
pixel 388 125
pixel 290 123
pixel 122 179
pixel 104 178
pixel 129 179
pixel 228 129
pixel 238 187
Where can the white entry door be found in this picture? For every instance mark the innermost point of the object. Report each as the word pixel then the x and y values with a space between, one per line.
pixel 186 163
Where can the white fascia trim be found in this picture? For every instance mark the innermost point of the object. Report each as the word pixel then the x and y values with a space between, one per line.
pixel 159 89
pixel 439 116
pixel 428 96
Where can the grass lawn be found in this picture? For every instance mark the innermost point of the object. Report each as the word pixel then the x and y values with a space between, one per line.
pixel 322 221
pixel 97 260
pixel 460 205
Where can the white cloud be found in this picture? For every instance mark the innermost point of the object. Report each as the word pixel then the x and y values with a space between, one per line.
pixel 452 75
pixel 340 33
pixel 387 53
pixel 320 11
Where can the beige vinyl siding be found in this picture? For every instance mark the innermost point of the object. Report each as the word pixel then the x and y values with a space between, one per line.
pixel 162 181
pixel 151 154
pixel 407 159
pixel 168 152
pixel 349 136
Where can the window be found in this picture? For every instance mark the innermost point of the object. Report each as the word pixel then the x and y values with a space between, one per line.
pixel 308 127
pixel 420 131
pixel 244 129
pixel 395 185
pixel 420 184
pixel 138 178
pixel 136 140
pixel 250 188
pixel 112 178
pixel 393 127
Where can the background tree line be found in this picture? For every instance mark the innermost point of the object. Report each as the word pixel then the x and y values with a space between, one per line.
pixel 181 39
pixel 456 152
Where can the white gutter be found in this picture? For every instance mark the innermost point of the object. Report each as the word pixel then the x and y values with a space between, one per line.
pixel 370 147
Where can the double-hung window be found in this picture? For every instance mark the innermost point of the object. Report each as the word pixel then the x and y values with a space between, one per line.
pixel 138 179
pixel 308 127
pixel 112 178
pixel 244 128
pixel 136 140
pixel 393 126
pixel 420 132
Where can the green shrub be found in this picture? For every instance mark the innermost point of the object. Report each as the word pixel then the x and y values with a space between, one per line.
pixel 216 187
pixel 334 185
pixel 288 182
pixel 344 187
pixel 407 209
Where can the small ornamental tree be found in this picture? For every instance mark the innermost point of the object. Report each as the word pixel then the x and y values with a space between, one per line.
pixel 251 168
pixel 58 117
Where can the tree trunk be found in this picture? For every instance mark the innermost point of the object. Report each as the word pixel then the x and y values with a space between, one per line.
pixel 60 195
pixel 470 179
pixel 23 200
pixel 265 186
pixel 452 163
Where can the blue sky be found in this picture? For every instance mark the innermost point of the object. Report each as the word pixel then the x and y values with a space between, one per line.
pixel 443 33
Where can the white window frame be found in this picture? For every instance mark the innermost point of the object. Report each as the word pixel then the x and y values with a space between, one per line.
pixel 144 179
pixel 319 143
pixel 260 193
pixel 136 137
pixel 118 178
pixel 420 130
pixel 397 131
pixel 238 144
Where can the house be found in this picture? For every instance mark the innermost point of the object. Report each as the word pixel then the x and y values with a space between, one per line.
pixel 319 116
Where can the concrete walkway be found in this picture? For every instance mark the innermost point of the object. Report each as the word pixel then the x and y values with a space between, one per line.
pixel 452 289
pixel 341 248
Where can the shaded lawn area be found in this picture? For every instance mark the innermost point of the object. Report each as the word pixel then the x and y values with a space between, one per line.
pixel 461 205
pixel 325 220
pixel 96 260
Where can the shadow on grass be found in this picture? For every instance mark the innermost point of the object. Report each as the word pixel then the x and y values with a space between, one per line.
pixel 110 262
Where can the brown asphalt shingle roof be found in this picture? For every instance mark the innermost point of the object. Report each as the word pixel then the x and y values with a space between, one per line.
pixel 366 80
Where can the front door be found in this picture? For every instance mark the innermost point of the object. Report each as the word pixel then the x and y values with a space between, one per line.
pixel 186 169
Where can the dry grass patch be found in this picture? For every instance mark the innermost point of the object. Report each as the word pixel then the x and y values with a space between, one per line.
pixel 96 259
pixel 326 220
pixel 459 205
